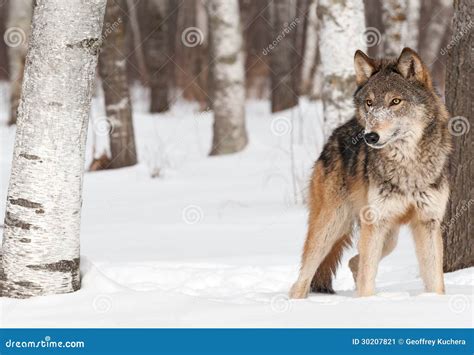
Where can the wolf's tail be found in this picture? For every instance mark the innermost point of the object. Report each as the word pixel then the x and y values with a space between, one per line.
pixel 322 279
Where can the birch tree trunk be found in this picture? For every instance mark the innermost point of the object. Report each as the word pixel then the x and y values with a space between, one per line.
pixel 339 21
pixel 394 16
pixel 41 236
pixel 459 227
pixel 283 55
pixel 156 47
pixel 228 77
pixel 16 38
pixel 112 70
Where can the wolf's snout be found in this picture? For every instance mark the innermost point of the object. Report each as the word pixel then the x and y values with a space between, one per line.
pixel 371 138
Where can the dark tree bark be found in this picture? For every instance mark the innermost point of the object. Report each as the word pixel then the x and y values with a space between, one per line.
pixel 283 54
pixel 192 52
pixel 112 70
pixel 155 37
pixel 458 227
pixel 435 32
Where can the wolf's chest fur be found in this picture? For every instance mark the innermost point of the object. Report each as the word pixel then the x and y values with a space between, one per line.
pixel 407 170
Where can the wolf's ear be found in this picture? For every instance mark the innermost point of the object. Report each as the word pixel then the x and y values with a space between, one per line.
pixel 364 67
pixel 410 65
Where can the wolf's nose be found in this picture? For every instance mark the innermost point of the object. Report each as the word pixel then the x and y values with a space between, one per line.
pixel 371 137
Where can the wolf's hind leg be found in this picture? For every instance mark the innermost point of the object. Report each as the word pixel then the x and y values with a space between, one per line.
pixel 322 280
pixel 323 232
pixel 388 246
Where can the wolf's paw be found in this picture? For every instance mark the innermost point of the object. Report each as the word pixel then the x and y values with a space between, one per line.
pixel 299 291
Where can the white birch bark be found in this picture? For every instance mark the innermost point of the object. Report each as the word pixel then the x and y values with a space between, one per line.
pixel 394 17
pixel 16 38
pixel 41 237
pixel 227 68
pixel 340 21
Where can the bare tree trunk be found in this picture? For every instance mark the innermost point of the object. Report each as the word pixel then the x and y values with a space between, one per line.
pixel 228 77
pixel 301 14
pixel 311 45
pixel 137 47
pixel 112 70
pixel 155 38
pixel 413 24
pixel 394 16
pixel 434 33
pixel 375 28
pixel 283 54
pixel 458 227
pixel 339 22
pixel 41 237
pixel 16 38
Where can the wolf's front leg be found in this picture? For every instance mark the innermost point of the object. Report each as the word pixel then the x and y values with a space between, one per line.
pixel 429 250
pixel 370 252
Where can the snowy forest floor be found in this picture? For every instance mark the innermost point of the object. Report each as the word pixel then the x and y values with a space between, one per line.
pixel 216 241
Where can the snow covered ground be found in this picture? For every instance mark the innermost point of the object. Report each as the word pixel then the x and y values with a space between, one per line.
pixel 216 241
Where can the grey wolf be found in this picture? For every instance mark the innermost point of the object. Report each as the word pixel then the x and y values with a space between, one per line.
pixel 385 167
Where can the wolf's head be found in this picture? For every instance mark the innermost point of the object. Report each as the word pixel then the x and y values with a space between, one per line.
pixel 394 99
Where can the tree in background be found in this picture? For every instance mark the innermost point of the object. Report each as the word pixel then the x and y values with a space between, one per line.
pixel 112 70
pixel 153 19
pixel 458 227
pixel 228 77
pixel 41 236
pixel 283 54
pixel 434 34
pixel 413 24
pixel 394 17
pixel 309 56
pixel 16 38
pixel 339 22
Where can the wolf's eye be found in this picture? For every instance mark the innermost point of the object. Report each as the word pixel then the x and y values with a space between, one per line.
pixel 395 102
pixel 368 102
